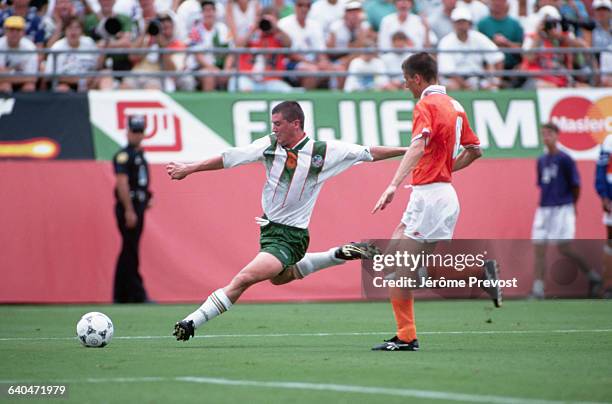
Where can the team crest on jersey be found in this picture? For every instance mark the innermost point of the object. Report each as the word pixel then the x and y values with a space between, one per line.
pixel 317 161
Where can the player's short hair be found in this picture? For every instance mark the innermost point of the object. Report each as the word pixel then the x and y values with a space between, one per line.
pixel 422 64
pixel 551 126
pixel 291 111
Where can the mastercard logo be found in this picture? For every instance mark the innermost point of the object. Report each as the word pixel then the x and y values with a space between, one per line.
pixel 583 124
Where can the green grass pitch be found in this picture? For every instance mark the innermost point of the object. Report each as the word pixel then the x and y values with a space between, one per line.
pixel 319 352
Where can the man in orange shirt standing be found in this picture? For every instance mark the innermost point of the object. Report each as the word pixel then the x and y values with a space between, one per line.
pixel 440 127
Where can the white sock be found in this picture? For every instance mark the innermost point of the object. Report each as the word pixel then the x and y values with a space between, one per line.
pixel 538 287
pixel 217 303
pixel 313 262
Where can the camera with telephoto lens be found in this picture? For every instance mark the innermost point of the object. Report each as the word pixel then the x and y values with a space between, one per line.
pixel 265 25
pixel 112 26
pixel 550 24
pixel 154 27
pixel 566 23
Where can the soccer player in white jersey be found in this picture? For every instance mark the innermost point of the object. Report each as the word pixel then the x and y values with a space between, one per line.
pixel 296 168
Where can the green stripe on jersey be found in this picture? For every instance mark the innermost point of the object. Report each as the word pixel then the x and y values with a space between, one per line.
pixel 269 152
pixel 317 161
pixel 286 177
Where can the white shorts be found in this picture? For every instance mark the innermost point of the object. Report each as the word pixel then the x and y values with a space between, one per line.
pixel 607 218
pixel 553 223
pixel 432 212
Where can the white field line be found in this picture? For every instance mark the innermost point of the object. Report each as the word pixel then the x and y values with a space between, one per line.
pixel 337 388
pixel 326 334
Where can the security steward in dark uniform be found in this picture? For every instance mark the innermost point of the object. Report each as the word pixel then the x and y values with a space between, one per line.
pixel 132 199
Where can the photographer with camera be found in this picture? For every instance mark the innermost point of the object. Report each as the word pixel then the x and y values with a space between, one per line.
pixel 264 34
pixel 549 34
pixel 110 31
pixel 159 34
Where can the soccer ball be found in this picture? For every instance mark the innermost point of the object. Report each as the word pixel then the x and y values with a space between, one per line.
pixel 95 330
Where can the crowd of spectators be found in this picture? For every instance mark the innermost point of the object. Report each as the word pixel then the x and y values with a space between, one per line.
pixel 388 29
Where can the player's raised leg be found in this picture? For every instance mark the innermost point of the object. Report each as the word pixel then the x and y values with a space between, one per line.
pixel 263 267
pixel 314 262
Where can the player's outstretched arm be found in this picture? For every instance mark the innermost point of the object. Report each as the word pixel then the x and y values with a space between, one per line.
pixel 385 152
pixel 411 158
pixel 178 171
pixel 466 157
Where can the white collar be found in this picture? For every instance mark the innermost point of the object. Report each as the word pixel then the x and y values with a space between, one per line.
pixel 433 89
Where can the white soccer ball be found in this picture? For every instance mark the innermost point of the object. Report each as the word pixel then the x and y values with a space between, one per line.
pixel 95 330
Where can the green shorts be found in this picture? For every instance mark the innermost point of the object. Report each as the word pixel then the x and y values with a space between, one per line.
pixel 287 243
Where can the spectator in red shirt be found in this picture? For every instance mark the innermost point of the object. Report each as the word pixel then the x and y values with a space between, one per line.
pixel 264 34
pixel 549 34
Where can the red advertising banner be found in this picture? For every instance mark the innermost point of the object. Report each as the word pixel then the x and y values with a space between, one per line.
pixel 59 241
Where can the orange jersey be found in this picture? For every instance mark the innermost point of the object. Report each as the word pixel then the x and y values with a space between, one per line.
pixel 441 121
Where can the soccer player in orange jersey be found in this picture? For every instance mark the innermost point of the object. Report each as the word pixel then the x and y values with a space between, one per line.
pixel 440 127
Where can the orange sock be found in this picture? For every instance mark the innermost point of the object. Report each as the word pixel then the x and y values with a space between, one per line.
pixel 403 309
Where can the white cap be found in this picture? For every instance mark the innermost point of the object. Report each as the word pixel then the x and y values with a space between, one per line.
pixel 550 12
pixel 353 5
pixel 461 13
pixel 602 4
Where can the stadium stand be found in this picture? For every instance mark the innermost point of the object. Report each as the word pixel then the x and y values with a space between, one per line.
pixel 192 45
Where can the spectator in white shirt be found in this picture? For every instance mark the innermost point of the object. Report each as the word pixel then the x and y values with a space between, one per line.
pixel 370 71
pixel 326 12
pixel 412 25
pixel 428 7
pixel 477 8
pixel 205 35
pixel 74 63
pixel 241 16
pixel 440 21
pixel 14 39
pixel 466 39
pixel 350 32
pixel 306 34
pixel 393 60
pixel 188 15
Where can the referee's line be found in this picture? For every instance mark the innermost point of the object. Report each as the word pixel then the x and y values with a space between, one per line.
pixel 324 334
pixel 328 387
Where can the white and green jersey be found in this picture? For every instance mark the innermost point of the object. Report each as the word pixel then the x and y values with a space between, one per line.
pixel 295 176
